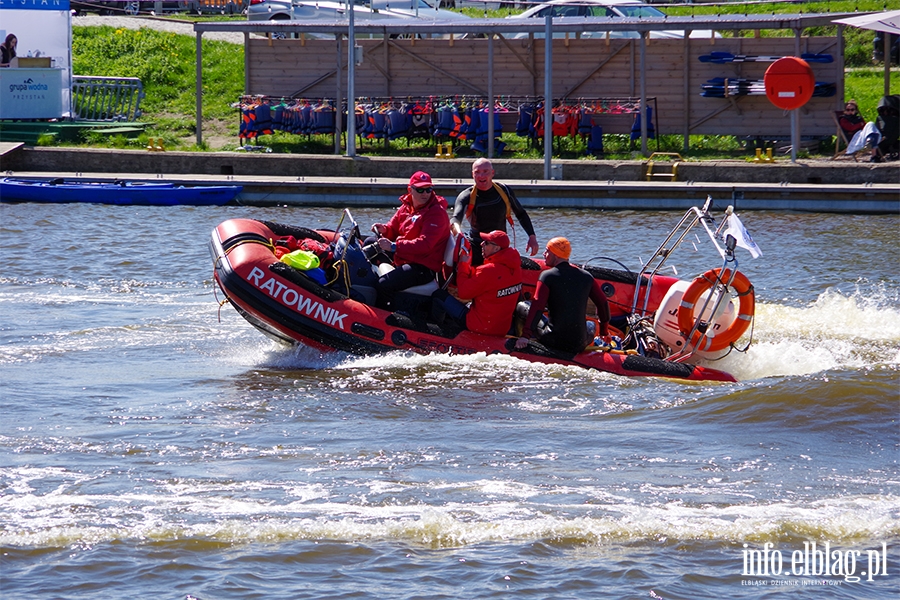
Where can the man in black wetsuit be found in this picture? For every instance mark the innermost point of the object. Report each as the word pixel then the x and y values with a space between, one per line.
pixel 564 290
pixel 489 206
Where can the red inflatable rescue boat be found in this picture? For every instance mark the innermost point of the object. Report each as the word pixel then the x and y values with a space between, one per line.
pixel 332 307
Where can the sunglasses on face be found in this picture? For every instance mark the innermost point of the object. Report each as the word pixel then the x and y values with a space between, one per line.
pixel 422 190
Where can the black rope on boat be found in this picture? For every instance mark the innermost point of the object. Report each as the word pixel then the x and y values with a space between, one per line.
pixel 221 303
pixel 750 341
pixel 341 267
pixel 270 244
pixel 750 291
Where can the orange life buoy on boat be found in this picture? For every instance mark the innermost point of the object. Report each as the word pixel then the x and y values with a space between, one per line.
pixel 698 287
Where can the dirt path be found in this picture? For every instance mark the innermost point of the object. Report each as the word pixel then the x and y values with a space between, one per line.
pixel 172 25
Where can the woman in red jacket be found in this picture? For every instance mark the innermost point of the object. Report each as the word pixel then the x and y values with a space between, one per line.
pixel 493 287
pixel 416 235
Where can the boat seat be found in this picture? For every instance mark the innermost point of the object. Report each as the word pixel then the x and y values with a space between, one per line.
pixel 426 289
pixel 451 251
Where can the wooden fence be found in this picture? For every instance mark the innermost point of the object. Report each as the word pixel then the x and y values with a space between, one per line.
pixel 583 69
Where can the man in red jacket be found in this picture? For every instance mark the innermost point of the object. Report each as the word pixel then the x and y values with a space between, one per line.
pixel 493 288
pixel 416 235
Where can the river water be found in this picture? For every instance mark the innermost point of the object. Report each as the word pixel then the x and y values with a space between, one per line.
pixel 155 446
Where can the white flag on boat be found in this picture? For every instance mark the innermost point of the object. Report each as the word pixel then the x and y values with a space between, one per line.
pixel 737 230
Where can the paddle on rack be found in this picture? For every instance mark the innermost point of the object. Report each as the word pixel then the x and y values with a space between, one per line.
pixel 727 57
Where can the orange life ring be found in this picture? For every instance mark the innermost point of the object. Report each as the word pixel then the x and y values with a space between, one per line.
pixel 705 282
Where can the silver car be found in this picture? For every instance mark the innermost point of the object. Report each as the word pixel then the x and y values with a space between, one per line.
pixel 329 10
pixel 483 4
pixel 575 9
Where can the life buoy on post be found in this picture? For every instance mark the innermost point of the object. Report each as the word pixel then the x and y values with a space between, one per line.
pixel 698 287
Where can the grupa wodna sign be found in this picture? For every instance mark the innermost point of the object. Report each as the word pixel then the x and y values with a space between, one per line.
pixel 36 82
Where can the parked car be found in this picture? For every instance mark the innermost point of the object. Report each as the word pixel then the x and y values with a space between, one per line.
pixel 330 10
pixel 604 8
pixel 484 4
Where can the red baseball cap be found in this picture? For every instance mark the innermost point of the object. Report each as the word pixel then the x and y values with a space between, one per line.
pixel 496 237
pixel 419 179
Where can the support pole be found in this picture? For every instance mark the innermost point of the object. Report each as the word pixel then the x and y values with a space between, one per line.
pixel 839 58
pixel 199 88
pixel 246 61
pixel 686 97
pixel 548 94
pixel 795 134
pixel 643 80
pixel 490 86
pixel 795 114
pixel 887 64
pixel 338 95
pixel 351 85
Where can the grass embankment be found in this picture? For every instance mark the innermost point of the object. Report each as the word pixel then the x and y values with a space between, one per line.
pixel 165 63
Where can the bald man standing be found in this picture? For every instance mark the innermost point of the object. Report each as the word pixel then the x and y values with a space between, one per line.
pixel 489 206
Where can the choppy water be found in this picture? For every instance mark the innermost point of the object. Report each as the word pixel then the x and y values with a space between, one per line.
pixel 155 447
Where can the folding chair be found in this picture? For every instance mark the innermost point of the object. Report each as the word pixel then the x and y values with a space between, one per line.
pixel 839 137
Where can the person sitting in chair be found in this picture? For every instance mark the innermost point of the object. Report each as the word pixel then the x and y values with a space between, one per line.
pixel 8 50
pixel 888 124
pixel 416 236
pixel 880 137
pixel 850 120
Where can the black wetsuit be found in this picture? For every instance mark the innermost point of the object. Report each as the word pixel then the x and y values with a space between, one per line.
pixel 566 290
pixel 489 215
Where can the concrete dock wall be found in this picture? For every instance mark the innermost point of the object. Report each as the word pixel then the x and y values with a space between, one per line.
pixel 270 179
pixel 87 160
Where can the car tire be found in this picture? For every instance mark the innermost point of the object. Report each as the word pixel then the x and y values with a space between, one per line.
pixel 279 35
pixel 132 7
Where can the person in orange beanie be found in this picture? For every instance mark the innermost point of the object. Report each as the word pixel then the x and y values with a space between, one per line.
pixel 563 289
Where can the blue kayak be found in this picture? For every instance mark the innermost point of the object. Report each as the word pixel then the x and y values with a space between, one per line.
pixel 116 192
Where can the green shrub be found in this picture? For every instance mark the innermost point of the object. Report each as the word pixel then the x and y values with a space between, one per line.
pixel 165 64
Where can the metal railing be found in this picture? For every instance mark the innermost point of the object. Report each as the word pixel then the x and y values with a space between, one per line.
pixel 106 98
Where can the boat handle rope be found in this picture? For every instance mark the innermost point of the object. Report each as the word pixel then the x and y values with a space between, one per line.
pixel 221 303
pixel 341 268
pixel 270 244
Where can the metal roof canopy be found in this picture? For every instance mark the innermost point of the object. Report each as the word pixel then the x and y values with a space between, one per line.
pixel 536 25
pixel 486 27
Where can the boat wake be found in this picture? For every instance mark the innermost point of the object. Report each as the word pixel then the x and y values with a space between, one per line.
pixel 837 331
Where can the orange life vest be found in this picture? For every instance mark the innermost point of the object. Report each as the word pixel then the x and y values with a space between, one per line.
pixel 471 207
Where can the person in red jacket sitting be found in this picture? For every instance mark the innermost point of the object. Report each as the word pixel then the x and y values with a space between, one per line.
pixel 493 288
pixel 416 236
pixel 850 120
